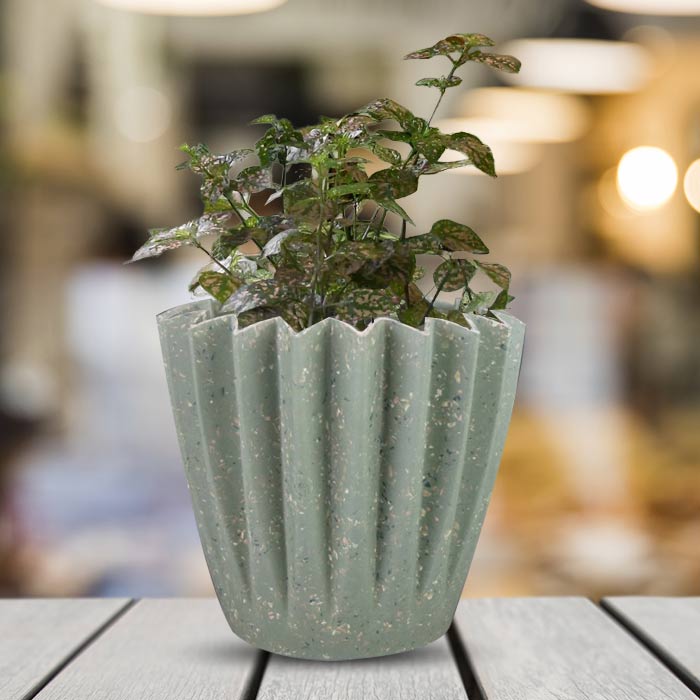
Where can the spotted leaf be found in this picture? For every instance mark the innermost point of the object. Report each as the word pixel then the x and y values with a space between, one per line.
pixel 454 274
pixel 456 237
pixel 477 151
pixel 499 274
pixel 365 304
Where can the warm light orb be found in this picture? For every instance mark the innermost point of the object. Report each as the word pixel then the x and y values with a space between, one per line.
pixel 580 66
pixel 691 185
pixel 542 117
pixel 142 114
pixel 651 7
pixel 646 177
pixel 193 8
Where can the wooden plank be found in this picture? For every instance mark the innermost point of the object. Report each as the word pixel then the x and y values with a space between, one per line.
pixel 522 649
pixel 670 627
pixel 429 673
pixel 175 649
pixel 38 636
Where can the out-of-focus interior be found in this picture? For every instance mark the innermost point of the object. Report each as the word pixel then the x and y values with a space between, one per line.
pixel 597 143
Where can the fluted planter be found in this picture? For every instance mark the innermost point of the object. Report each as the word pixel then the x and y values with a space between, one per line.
pixel 339 478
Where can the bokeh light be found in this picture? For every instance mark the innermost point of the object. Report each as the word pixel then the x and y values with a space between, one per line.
pixel 542 117
pixel 646 177
pixel 583 66
pixel 691 185
pixel 651 7
pixel 142 114
pixel 194 7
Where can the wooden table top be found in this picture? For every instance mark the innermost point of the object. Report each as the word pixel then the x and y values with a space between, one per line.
pixel 498 649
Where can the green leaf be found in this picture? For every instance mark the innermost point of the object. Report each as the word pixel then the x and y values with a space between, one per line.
pixel 253 179
pixel 393 183
pixel 304 202
pixel 265 227
pixel 161 240
pixel 353 125
pixel 388 155
pixel 261 313
pixel 386 108
pixel 458 318
pixel 397 265
pixel 402 136
pixel 414 315
pixel 394 208
pixel 456 43
pixel 499 274
pixel 479 302
pixel 430 144
pixel 441 83
pixel 501 301
pixel 252 296
pixel 274 245
pixel 454 274
pixel 214 170
pixel 272 146
pixel 296 264
pixel 508 64
pixel 216 204
pixel 365 304
pixel 354 255
pixel 203 162
pixel 227 242
pixel 352 188
pixel 476 150
pixel 456 237
pixel 425 244
pixel 265 119
pixel 220 285
pixel 426 168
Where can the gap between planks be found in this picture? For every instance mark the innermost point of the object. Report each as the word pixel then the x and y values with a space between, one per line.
pixel 79 650
pixel 665 657
pixel 459 654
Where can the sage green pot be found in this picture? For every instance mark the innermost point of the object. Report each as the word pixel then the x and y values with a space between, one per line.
pixel 339 478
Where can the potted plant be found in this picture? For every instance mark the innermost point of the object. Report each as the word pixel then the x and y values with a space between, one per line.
pixel 340 429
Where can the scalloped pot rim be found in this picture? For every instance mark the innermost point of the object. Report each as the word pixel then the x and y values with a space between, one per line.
pixel 206 314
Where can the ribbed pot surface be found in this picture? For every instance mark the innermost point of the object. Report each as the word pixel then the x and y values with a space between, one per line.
pixel 339 478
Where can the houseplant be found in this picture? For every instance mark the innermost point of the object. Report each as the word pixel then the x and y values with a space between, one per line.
pixel 340 430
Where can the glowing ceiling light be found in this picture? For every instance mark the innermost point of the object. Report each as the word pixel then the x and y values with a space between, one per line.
pixel 585 66
pixel 194 7
pixel 142 114
pixel 646 177
pixel 691 185
pixel 513 148
pixel 542 117
pixel 650 7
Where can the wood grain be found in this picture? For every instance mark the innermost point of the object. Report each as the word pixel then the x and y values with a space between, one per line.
pixel 542 648
pixel 668 626
pixel 429 673
pixel 37 636
pixel 177 649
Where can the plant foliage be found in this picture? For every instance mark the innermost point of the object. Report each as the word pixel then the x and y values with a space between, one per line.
pixel 319 241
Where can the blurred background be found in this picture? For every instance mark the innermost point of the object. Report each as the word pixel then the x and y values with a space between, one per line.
pixel 597 144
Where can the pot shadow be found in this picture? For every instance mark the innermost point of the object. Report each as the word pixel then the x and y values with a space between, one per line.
pixel 223 653
pixel 237 652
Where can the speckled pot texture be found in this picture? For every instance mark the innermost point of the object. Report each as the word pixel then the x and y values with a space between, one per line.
pixel 339 478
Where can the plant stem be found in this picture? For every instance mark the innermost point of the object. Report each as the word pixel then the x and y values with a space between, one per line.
pixel 450 75
pixel 197 244
pixel 370 222
pixel 317 266
pixel 434 299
